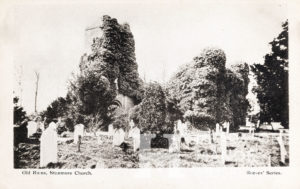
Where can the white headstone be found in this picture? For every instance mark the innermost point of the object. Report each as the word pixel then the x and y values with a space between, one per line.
pixel 78 131
pixel 257 124
pixel 31 128
pixel 118 137
pixel 283 151
pixel 182 128
pixel 227 126
pixel 217 127
pixel 111 129
pixel 48 147
pixel 175 145
pixel 136 135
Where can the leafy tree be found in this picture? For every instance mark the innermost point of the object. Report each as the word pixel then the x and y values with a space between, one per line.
pixel 272 79
pixel 236 91
pixel 121 121
pixel 206 93
pixel 150 114
pixel 19 113
pixel 199 90
pixel 56 109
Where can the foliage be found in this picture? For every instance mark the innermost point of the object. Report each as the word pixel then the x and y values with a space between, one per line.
pixel 56 109
pixel 150 115
pixel 204 92
pixel 198 88
pixel 19 113
pixel 93 91
pixel 121 121
pixel 236 91
pixel 272 80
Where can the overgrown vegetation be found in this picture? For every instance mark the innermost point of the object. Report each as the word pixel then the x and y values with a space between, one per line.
pixel 272 79
pixel 206 93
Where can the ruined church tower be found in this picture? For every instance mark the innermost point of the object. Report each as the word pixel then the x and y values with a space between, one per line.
pixel 95 31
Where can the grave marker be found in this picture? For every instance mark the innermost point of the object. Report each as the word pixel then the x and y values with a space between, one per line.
pixel 175 143
pixel 31 128
pixel 111 129
pixel 136 135
pixel 227 127
pixel 118 137
pixel 48 147
pixel 283 151
pixel 78 131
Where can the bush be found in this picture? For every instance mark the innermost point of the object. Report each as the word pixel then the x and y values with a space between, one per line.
pixel 198 88
pixel 121 121
pixel 151 114
pixel 19 113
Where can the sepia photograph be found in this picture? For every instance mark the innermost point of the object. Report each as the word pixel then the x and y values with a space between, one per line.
pixel 104 86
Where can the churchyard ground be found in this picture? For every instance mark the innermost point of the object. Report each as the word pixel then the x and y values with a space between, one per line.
pixel 244 151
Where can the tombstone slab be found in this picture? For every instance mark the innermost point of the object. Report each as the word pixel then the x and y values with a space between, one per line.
pixel 48 147
pixel 78 131
pixel 174 144
pixel 31 128
pixel 118 137
pixel 136 135
pixel 111 129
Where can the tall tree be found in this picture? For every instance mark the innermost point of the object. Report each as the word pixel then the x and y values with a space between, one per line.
pixel 19 113
pixel 272 80
pixel 199 88
pixel 237 82
pixel 150 114
pixel 37 75
pixel 206 93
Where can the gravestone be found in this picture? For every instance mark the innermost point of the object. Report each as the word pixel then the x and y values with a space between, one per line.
pixel 48 147
pixel 135 133
pixel 276 126
pixel 257 124
pixel 283 151
pixel 159 142
pixel 182 128
pixel 175 143
pixel 41 126
pixel 78 131
pixel 146 141
pixel 227 125
pixel 217 128
pixel 118 137
pixel 111 129
pixel 31 128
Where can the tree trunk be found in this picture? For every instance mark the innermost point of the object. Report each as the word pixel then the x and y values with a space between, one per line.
pixel 36 90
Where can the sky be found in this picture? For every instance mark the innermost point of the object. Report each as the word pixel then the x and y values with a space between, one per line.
pixel 50 38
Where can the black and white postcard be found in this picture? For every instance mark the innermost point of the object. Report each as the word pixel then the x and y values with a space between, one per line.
pixel 132 94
